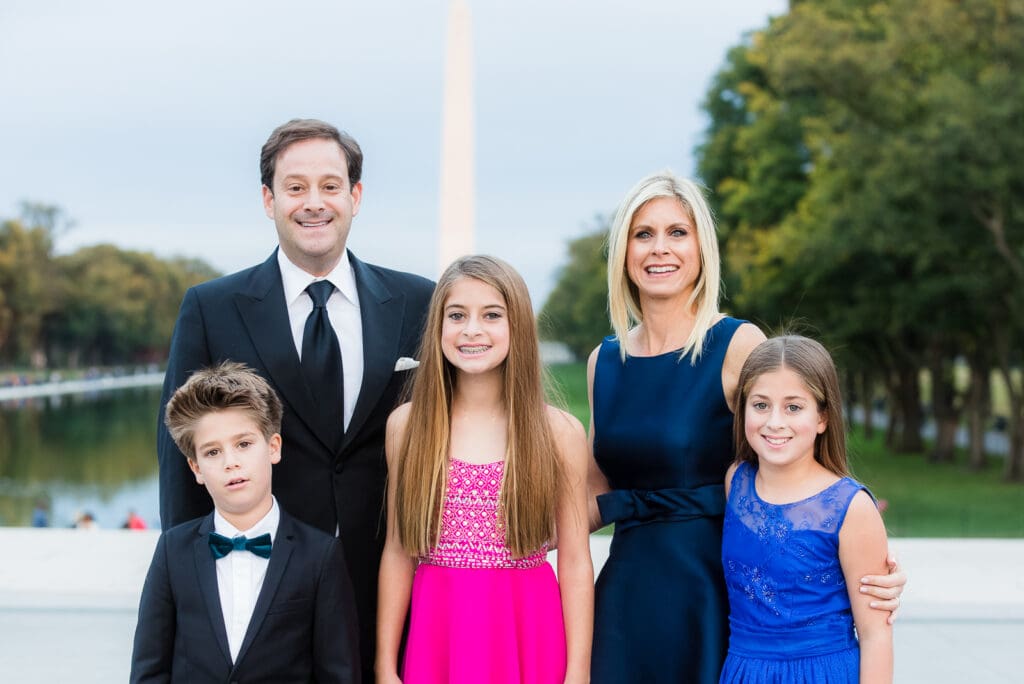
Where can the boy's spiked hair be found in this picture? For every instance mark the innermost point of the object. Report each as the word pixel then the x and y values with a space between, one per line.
pixel 224 386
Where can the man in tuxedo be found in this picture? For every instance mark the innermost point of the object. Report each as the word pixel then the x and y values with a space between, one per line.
pixel 338 353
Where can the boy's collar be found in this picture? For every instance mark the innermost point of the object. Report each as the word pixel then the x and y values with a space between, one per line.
pixel 267 524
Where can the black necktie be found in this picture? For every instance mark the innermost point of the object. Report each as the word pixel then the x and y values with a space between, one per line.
pixel 321 359
pixel 221 546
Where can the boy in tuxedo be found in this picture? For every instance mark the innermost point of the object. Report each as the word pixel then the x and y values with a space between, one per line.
pixel 246 593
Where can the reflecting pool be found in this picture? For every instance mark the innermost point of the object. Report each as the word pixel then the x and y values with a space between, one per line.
pixel 74 454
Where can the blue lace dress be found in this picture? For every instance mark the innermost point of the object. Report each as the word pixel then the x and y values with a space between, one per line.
pixel 790 619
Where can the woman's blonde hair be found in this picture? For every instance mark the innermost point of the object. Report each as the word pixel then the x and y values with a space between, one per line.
pixel 532 474
pixel 812 362
pixel 623 297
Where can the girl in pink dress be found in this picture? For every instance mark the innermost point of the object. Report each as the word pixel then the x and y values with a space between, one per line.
pixel 483 475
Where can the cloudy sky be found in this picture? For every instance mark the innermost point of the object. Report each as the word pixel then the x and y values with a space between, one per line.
pixel 143 121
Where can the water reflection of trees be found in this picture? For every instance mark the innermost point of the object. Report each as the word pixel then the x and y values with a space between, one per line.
pixel 98 442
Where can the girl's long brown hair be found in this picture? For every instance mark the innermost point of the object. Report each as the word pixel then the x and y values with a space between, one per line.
pixel 812 362
pixel 532 475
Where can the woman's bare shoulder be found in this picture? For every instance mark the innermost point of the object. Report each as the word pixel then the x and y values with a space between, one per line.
pixel 746 337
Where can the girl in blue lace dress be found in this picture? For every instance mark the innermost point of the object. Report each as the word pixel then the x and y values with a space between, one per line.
pixel 799 533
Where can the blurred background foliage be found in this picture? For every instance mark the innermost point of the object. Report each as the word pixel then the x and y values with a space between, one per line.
pixel 100 305
pixel 863 159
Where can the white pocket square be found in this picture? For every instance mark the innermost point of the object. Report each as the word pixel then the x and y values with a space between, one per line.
pixel 405 363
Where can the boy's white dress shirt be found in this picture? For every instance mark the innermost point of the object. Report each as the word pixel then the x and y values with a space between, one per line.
pixel 240 575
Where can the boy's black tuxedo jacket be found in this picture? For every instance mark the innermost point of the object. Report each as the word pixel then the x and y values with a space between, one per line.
pixel 303 628
pixel 243 317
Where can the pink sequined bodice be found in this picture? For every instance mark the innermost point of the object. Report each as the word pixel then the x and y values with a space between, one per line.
pixel 472 534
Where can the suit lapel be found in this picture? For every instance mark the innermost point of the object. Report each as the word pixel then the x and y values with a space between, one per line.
pixel 206 571
pixel 284 545
pixel 381 313
pixel 264 311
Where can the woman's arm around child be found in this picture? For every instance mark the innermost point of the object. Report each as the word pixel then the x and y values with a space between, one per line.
pixel 862 550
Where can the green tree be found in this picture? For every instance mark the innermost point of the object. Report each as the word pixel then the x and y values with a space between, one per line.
pixel 26 288
pixel 914 156
pixel 118 306
pixel 99 305
pixel 869 182
pixel 576 311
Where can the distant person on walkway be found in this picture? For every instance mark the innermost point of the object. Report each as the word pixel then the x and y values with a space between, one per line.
pixel 86 521
pixel 661 392
pixel 799 533
pixel 41 513
pixel 334 336
pixel 246 593
pixel 484 475
pixel 134 522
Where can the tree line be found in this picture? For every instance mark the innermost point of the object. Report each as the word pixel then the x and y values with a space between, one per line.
pixel 864 162
pixel 99 305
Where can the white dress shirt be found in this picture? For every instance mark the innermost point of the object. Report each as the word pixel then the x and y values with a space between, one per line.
pixel 240 576
pixel 342 310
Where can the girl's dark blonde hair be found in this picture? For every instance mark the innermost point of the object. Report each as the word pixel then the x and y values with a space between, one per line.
pixel 532 474
pixel 812 362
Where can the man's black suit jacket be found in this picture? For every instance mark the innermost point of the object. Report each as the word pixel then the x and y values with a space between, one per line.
pixel 303 628
pixel 243 317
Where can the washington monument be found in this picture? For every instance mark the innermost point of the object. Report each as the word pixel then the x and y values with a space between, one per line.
pixel 457 177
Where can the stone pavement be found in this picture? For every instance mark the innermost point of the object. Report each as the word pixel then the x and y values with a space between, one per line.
pixel 68 600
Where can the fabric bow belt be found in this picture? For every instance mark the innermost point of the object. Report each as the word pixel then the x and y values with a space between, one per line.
pixel 629 507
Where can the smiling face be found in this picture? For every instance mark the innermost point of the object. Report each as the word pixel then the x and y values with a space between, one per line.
pixel 312 203
pixel 475 332
pixel 663 253
pixel 781 419
pixel 233 460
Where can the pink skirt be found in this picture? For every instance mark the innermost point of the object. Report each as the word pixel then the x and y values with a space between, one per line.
pixel 502 626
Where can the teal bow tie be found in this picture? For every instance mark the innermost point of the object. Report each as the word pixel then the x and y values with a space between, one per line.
pixel 221 546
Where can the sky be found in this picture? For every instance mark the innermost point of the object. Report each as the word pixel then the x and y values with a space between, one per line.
pixel 144 121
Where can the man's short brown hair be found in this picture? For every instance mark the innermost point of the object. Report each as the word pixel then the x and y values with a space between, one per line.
pixel 297 130
pixel 227 385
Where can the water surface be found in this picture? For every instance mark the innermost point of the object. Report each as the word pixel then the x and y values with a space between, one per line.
pixel 76 453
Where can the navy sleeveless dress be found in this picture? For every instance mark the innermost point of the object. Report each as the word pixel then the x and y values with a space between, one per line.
pixel 663 438
pixel 790 614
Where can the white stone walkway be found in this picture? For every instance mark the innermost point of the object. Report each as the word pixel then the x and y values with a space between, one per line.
pixel 68 600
